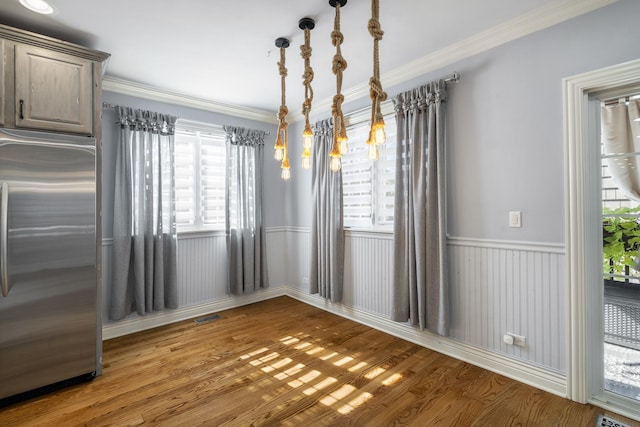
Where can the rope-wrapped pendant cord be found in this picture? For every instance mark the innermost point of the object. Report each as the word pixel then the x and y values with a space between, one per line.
pixel 339 65
pixel 307 76
pixel 282 113
pixel 375 86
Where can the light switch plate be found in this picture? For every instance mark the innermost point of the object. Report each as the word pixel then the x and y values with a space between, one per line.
pixel 515 219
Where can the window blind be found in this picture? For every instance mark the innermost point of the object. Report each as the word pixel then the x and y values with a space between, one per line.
pixel 200 166
pixel 369 186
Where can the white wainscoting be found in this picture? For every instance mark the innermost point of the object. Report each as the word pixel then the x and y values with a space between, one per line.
pixel 202 281
pixel 202 268
pixel 507 287
pixel 497 287
pixel 368 272
pixel 298 252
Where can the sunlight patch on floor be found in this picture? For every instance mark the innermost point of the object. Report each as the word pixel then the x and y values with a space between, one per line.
pixel 338 395
pixel 374 373
pixel 394 378
pixel 343 361
pixel 358 366
pixel 254 353
pixel 345 398
pixel 322 384
pixel 315 350
pixel 353 404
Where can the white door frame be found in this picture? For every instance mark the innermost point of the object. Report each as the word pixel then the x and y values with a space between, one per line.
pixel 581 153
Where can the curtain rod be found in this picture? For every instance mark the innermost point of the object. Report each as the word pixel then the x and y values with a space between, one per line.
pixel 454 78
pixel 362 115
pixel 621 100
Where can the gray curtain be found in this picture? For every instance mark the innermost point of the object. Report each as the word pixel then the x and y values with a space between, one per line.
pixel 144 230
pixel 420 288
pixel 327 234
pixel 246 243
pixel 621 135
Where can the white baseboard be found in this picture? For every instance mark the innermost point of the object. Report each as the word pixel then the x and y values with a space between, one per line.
pixel 532 375
pixel 161 318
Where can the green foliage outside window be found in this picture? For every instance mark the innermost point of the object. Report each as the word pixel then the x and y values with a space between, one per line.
pixel 621 240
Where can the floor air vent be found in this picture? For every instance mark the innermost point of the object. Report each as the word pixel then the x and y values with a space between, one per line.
pixel 207 319
pixel 604 421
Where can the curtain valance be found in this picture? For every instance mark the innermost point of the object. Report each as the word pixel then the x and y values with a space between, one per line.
pixel 421 97
pixel 242 136
pixel 146 121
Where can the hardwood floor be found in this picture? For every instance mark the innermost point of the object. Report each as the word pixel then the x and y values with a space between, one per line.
pixel 282 362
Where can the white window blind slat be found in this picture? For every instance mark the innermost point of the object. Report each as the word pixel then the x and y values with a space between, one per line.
pixel 369 187
pixel 200 165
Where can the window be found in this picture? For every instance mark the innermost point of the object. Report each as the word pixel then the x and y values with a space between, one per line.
pixel 200 166
pixel 369 186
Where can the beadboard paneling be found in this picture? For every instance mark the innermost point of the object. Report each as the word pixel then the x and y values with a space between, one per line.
pixel 276 256
pixel 496 288
pixel 368 272
pixel 202 267
pixel 298 261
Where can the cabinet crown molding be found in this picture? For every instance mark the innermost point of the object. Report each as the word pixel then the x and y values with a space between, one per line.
pixel 50 43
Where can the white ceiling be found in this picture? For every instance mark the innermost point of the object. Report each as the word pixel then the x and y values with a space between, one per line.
pixel 224 51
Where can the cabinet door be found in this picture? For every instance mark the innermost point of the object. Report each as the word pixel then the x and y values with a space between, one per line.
pixel 54 91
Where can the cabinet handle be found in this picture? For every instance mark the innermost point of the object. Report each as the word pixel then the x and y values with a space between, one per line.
pixel 21 109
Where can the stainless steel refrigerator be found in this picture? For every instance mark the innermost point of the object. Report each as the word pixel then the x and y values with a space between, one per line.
pixel 49 330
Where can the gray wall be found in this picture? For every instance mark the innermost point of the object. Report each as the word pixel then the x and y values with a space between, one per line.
pixel 505 131
pixel 505 152
pixel 274 215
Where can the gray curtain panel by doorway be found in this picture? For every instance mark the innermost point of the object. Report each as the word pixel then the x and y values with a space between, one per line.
pixel 144 226
pixel 246 243
pixel 421 290
pixel 621 140
pixel 327 234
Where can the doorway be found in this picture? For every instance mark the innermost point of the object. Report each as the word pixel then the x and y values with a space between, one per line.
pixel 584 224
pixel 620 178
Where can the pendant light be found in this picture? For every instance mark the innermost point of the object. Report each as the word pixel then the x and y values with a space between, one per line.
pixel 339 65
pixel 281 151
pixel 307 24
pixel 377 134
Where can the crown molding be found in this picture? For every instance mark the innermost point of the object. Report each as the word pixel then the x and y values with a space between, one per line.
pixel 27 37
pixel 127 87
pixel 523 25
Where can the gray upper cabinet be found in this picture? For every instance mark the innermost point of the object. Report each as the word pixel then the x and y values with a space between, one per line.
pixel 49 84
pixel 54 90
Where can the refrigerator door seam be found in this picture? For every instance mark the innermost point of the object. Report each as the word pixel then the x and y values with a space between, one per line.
pixel 4 230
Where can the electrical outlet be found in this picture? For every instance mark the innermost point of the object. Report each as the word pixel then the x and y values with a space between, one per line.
pixel 519 341
pixel 513 339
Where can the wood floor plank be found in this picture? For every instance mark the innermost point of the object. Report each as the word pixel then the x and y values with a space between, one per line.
pixel 285 363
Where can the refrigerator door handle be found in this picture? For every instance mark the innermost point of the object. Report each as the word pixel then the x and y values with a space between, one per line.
pixel 4 231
